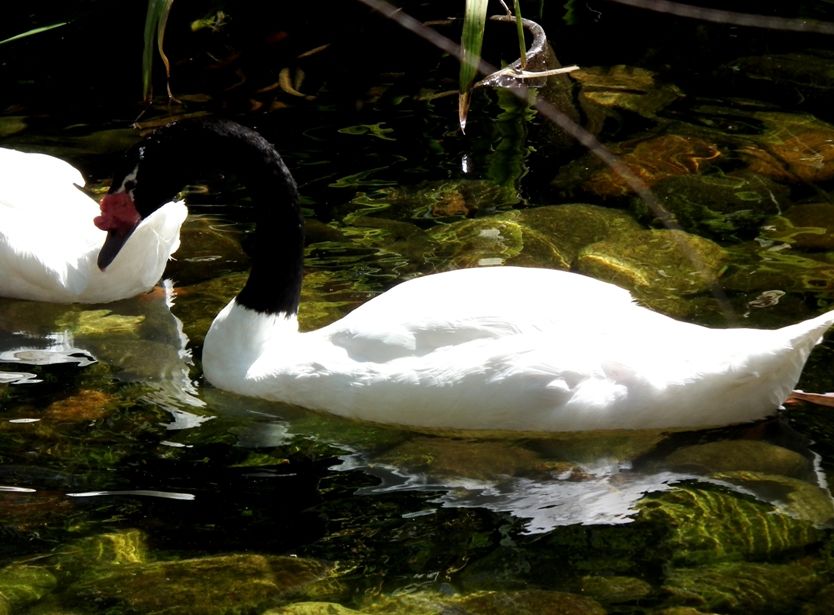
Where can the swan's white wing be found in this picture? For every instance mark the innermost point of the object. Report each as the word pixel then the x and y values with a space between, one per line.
pixel 45 227
pixel 422 315
pixel 49 244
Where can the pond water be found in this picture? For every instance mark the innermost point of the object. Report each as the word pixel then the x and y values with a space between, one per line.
pixel 130 485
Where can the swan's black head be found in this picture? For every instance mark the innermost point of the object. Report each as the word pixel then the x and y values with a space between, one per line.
pixel 147 176
pixel 153 171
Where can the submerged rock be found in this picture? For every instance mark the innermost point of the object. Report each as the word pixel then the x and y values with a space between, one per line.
pixel 717 206
pixel 793 148
pixel 656 262
pixel 217 584
pixel 22 585
pixel 707 524
pixel 738 455
pixel 519 602
pixel 436 200
pixel 546 236
pixel 807 226
pixel 760 268
pixel 314 608
pixel 606 91
pixel 650 160
pixel 798 498
pixel 473 459
pixel 614 589
pixel 744 587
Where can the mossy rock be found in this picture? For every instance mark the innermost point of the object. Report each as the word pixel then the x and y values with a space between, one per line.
pixel 22 585
pixel 800 499
pixel 722 207
pixel 614 589
pixel 236 583
pixel 794 148
pixel 733 455
pixel 755 268
pixel 314 608
pixel 808 226
pixel 709 524
pixel 546 236
pixel 520 602
pixel 744 587
pixel 655 263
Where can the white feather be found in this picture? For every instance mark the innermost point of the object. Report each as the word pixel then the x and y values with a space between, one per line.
pixel 507 348
pixel 49 245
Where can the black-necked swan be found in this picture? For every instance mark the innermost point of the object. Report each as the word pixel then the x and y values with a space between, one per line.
pixel 48 248
pixel 494 348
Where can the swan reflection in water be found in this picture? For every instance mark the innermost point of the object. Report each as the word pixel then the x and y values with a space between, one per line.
pixel 546 481
pixel 140 340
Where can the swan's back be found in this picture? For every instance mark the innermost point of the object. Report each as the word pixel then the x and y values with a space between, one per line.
pixel 523 349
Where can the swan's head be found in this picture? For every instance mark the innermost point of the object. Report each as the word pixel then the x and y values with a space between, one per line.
pixel 146 179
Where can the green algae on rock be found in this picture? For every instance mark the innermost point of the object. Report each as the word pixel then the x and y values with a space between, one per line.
pixel 808 226
pixel 545 236
pixel 744 587
pixel 213 584
pixel 709 524
pixel 655 262
pixel 739 455
pixel 22 585
pixel 650 159
pixel 517 602
pixel 719 206
pixel 794 148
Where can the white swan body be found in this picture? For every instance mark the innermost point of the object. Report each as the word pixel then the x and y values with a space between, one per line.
pixel 510 348
pixel 48 246
pixel 496 348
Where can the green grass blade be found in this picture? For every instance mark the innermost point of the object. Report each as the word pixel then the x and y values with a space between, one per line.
pixel 155 20
pixel 520 27
pixel 472 39
pixel 32 32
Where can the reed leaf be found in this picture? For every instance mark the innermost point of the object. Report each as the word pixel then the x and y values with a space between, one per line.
pixel 472 38
pixel 155 21
pixel 32 32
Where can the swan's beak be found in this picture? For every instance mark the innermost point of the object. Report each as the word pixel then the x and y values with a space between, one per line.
pixel 119 218
pixel 112 246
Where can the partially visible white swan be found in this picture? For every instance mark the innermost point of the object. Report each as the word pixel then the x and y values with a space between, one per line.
pixel 48 247
pixel 498 348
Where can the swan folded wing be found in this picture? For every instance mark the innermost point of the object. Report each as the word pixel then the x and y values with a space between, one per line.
pixel 45 263
pixel 381 341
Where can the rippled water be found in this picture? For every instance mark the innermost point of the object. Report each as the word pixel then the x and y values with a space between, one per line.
pixel 128 484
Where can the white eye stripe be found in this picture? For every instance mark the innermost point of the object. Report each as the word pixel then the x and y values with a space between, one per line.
pixel 129 182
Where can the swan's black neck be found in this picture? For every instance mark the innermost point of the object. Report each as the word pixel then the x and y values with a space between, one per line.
pixel 187 151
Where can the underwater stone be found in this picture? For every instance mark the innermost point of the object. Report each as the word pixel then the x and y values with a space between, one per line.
pixel 660 261
pixel 528 602
pixel 629 88
pixel 798 498
pixel 729 455
pixel 22 585
pixel 650 160
pixel 794 148
pixel 473 459
pixel 614 589
pixel 546 236
pixel 209 585
pixel 807 226
pixel 517 602
pixel 707 524
pixel 314 608
pixel 717 206
pixel 744 587
pixel 769 267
